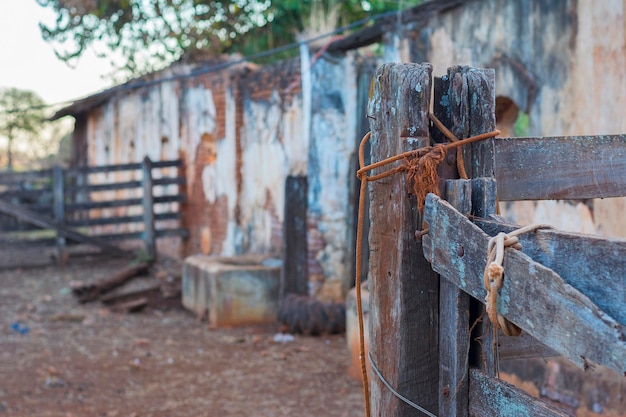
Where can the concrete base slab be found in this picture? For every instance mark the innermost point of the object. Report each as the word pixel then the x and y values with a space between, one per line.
pixel 231 291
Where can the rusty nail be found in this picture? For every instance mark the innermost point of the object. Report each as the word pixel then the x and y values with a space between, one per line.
pixel 460 251
pixel 451 159
pixel 371 117
pixel 446 391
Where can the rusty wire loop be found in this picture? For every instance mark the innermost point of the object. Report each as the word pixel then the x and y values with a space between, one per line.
pixel 421 167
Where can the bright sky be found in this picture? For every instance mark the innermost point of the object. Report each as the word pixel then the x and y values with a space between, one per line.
pixel 28 62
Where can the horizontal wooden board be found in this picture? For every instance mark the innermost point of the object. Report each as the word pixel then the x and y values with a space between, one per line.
pixel 26 176
pixel 533 297
pixel 177 198
pixel 64 231
pixel 491 397
pixel 98 221
pixel 572 167
pixel 594 265
pixel 522 346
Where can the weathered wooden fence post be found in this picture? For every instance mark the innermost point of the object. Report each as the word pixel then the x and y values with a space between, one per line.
pixel 58 193
pixel 294 272
pixel 149 233
pixel 404 296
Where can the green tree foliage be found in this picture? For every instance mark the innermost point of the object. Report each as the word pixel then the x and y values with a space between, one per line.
pixel 21 117
pixel 151 34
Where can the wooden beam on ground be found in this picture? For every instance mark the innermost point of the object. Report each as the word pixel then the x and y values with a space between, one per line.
pixel 404 291
pixel 38 220
pixel 533 297
pixel 594 265
pixel 492 397
pixel 91 292
pixel 570 167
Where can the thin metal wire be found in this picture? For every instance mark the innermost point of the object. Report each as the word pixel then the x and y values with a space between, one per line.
pixel 396 393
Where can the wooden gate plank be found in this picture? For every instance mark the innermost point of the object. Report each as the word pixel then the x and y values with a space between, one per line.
pixel 33 218
pixel 594 265
pixel 454 319
pixel 491 397
pixel 404 291
pixel 574 167
pixel 533 296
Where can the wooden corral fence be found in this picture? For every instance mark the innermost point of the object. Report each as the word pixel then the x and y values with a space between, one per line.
pixel 566 291
pixel 89 204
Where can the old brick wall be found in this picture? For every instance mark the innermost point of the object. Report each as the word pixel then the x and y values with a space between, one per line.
pixel 240 132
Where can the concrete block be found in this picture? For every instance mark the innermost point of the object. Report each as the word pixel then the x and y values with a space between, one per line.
pixel 352 331
pixel 231 291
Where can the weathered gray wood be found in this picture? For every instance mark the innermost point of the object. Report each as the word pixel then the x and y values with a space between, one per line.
pixel 472 112
pixel 491 397
pixel 149 233
pixel 28 216
pixel 575 167
pixel 178 198
pixel 59 210
pixel 91 292
pixel 594 265
pixel 522 346
pixel 124 184
pixel 294 273
pixel 533 296
pixel 482 353
pixel 404 292
pixel 454 319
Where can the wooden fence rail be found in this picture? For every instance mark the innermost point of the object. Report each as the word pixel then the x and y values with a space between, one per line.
pixel 566 291
pixel 83 204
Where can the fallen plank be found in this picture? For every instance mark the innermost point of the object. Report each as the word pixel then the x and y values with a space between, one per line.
pixel 131 306
pixel 149 292
pixel 570 167
pixel 597 267
pixel 91 292
pixel 491 397
pixel 38 220
pixel 533 297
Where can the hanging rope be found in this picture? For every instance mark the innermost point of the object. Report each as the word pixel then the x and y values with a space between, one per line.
pixel 422 178
pixel 493 276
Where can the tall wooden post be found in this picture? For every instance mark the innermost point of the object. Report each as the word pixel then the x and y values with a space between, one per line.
pixel 294 273
pixel 58 192
pixel 404 292
pixel 149 233
pixel 472 105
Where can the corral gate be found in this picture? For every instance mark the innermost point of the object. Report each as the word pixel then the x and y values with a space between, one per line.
pixel 565 291
pixel 88 204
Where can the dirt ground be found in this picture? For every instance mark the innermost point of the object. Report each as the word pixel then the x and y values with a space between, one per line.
pixel 62 358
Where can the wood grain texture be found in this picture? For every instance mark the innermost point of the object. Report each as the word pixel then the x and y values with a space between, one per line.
pixel 404 291
pixel 482 354
pixel 454 319
pixel 491 397
pixel 575 167
pixel 594 265
pixel 533 296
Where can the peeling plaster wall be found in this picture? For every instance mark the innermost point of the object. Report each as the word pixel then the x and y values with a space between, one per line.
pixel 333 131
pixel 240 133
pixel 562 62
